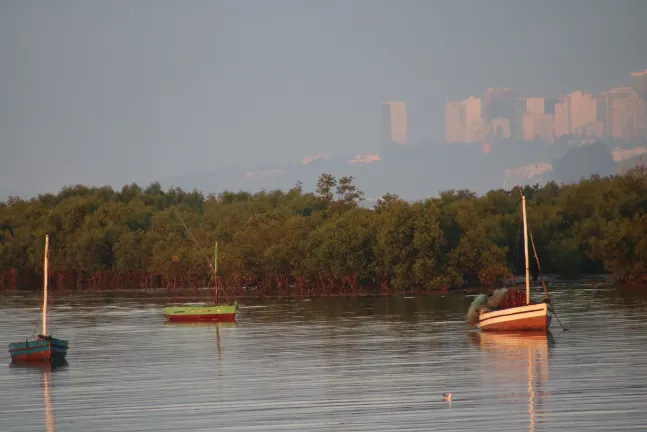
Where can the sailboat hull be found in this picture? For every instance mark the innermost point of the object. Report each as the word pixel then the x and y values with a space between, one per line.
pixel 532 317
pixel 41 350
pixel 219 313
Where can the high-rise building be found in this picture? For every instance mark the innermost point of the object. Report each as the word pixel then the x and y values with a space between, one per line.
pixel 639 83
pixel 538 126
pixel 504 103
pixel 562 122
pixel 516 122
pixel 538 119
pixel 624 114
pixel 394 123
pixel 549 106
pixel 583 113
pixel 498 103
pixel 498 128
pixel 535 105
pixel 535 122
pixel 464 121
pixel 472 119
pixel 454 131
pixel 576 114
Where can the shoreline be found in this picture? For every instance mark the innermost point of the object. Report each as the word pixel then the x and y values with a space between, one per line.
pixel 552 281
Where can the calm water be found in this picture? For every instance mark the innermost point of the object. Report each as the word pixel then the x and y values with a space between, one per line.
pixel 333 364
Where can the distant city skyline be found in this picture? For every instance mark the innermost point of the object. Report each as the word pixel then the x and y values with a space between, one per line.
pixel 109 92
pixel 394 123
pixel 618 113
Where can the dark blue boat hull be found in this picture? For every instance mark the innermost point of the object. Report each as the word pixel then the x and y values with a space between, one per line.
pixel 43 349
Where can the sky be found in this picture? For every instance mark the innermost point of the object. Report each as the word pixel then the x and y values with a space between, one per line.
pixel 116 91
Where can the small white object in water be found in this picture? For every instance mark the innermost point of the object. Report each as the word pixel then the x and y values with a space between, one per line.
pixel 447 397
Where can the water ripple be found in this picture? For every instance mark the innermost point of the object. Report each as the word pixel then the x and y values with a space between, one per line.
pixel 329 365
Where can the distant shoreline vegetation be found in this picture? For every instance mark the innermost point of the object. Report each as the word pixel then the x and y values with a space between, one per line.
pixel 324 243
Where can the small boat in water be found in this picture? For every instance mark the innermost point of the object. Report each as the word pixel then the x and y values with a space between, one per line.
pixel 213 313
pixel 42 348
pixel 503 310
pixel 531 317
pixel 207 313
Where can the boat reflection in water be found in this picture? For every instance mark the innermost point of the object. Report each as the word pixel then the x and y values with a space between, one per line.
pixel 208 325
pixel 47 369
pixel 519 357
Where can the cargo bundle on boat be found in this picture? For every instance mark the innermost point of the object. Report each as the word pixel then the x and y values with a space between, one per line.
pixel 507 310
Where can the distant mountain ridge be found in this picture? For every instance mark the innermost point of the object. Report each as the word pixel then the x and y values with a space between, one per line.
pixel 422 171
pixel 416 172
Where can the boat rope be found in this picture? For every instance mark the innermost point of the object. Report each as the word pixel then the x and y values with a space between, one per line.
pixel 552 309
pixel 543 282
pixel 540 274
pixel 517 245
pixel 50 309
pixel 215 275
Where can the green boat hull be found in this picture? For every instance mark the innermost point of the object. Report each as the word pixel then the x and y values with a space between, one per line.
pixel 214 313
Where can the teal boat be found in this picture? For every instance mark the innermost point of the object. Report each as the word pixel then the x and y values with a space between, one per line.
pixel 42 348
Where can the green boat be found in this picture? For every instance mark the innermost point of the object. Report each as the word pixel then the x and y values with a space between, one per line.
pixel 213 313
pixel 216 313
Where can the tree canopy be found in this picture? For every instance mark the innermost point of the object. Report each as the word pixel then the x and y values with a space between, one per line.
pixel 299 243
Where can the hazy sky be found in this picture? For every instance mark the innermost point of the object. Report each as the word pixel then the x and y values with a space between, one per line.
pixel 117 91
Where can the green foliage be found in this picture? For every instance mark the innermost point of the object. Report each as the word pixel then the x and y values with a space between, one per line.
pixel 325 242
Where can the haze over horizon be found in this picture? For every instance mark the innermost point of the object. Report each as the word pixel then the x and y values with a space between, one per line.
pixel 119 92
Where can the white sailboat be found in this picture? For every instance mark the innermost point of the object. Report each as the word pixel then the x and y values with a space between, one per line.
pixel 532 316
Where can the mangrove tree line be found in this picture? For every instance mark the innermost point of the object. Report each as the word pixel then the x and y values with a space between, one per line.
pixel 298 243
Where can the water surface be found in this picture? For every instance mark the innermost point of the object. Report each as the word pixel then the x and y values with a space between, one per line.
pixel 366 364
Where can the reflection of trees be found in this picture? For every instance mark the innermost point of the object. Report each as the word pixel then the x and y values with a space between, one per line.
pixel 625 297
pixel 395 310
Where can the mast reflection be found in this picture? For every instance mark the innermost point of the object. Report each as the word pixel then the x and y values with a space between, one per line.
pixel 521 355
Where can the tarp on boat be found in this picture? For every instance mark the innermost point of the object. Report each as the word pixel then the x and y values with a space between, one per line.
pixel 486 303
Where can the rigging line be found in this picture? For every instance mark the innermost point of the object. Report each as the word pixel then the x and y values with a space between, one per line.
pixel 547 299
pixel 558 321
pixel 215 275
pixel 534 251
pixel 50 298
pixel 50 309
pixel 516 248
pixel 541 275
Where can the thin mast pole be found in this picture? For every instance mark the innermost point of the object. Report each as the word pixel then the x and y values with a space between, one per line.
pixel 45 278
pixel 534 251
pixel 215 269
pixel 199 248
pixel 525 247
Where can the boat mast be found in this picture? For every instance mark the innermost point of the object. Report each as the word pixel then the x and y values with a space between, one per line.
pixel 45 277
pixel 525 247
pixel 215 269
